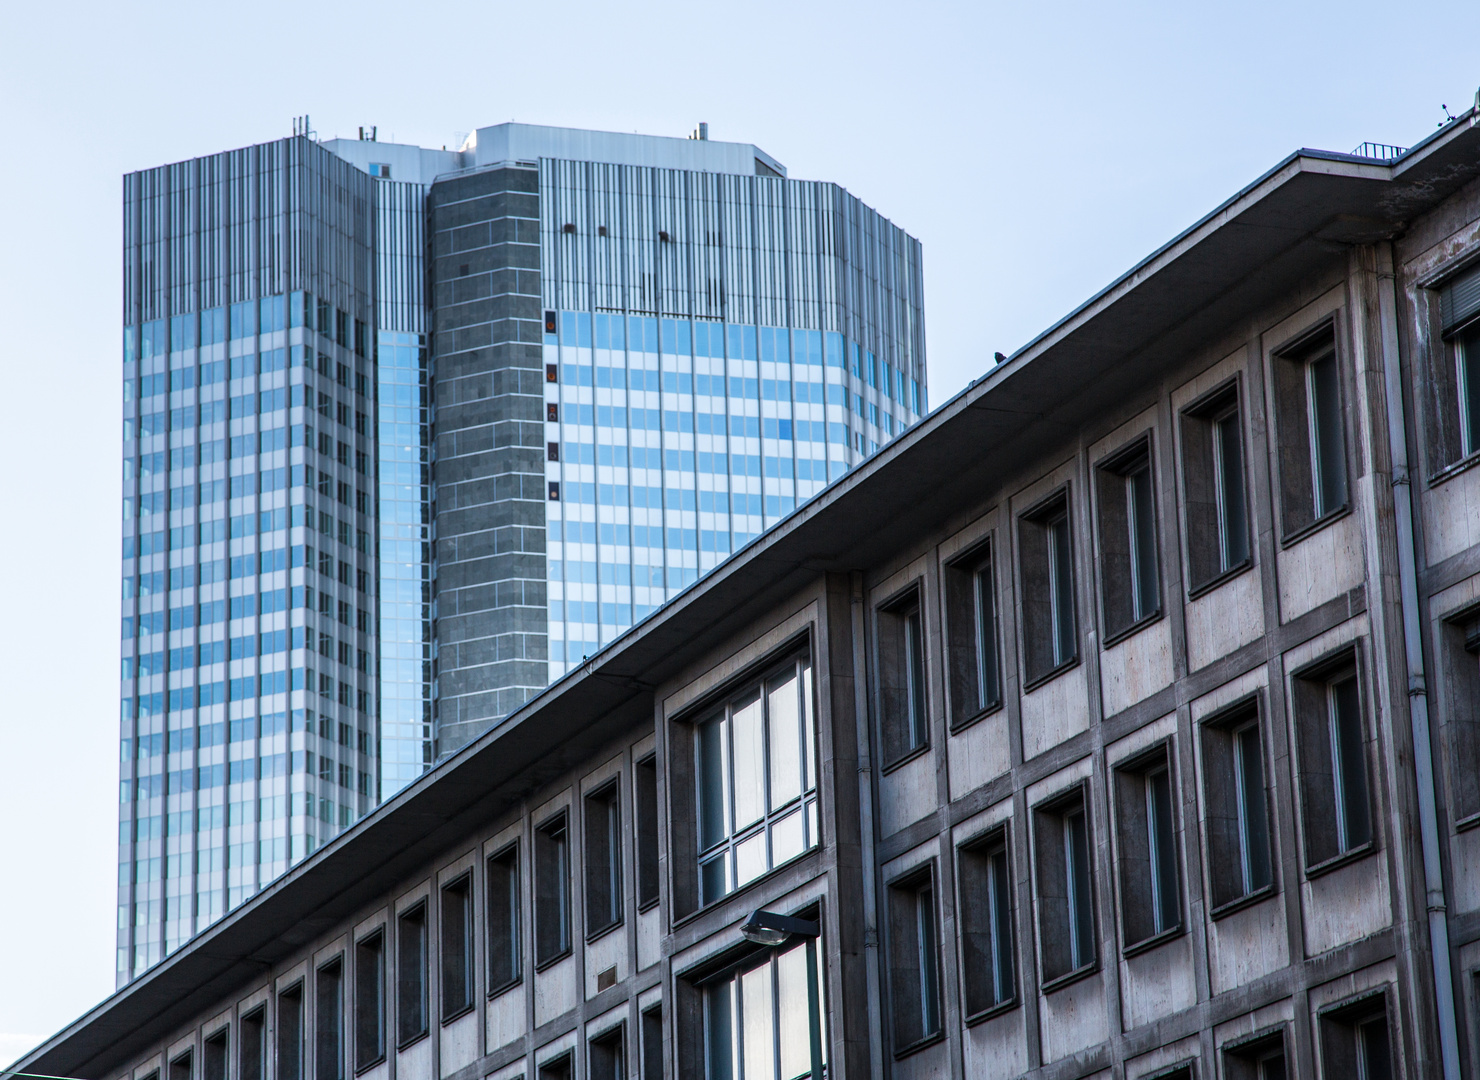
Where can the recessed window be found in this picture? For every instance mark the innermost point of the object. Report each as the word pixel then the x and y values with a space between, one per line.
pixel 411 974
pixel 329 1021
pixel 1355 1042
pixel 903 721
pixel 1332 744
pixel 1214 488
pixel 1461 640
pixel 1261 1058
pixel 652 1043
pixel 985 914
pixel 290 1033
pixel 1452 381
pixel 971 626
pixel 607 1056
pixel 182 1067
pixel 1046 553
pixel 645 808
pixel 561 1068
pixel 213 1056
pixel 369 1000
pixel 504 942
pixel 757 780
pixel 914 960
pixel 1065 878
pixel 552 890
pixel 603 858
pixel 1130 574
pixel 765 1020
pixel 253 1047
pixel 1237 806
pixel 457 947
pixel 1312 438
pixel 1150 883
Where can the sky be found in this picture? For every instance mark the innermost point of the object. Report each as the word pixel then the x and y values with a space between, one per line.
pixel 1038 151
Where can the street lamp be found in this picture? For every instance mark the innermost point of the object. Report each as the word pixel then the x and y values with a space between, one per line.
pixel 768 928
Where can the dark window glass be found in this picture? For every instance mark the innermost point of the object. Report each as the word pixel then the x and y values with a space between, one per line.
pixel 253 1046
pixel 329 1022
pixel 1335 803
pixel 971 626
pixel 603 858
pixel 902 715
pixel 1312 440
pixel 504 968
pixel 645 791
pixel 457 947
pixel 411 975
pixel 290 1034
pixel 1233 517
pixel 1237 815
pixel 182 1067
pixel 1326 434
pixel 1130 575
pixel 369 999
pixel 607 1057
pixel 213 1057
pixel 1050 636
pixel 652 1044
pixel 914 960
pixel 1065 879
pixel 552 890
pixel 1355 1041
pixel 985 913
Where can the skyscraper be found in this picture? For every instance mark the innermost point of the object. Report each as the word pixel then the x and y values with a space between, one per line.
pixel 410 432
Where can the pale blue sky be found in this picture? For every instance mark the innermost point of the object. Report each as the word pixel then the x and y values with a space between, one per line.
pixel 1037 150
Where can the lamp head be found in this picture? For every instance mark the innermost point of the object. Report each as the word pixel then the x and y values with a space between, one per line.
pixel 769 928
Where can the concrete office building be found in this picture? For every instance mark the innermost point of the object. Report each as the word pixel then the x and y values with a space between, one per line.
pixel 409 432
pixel 1117 720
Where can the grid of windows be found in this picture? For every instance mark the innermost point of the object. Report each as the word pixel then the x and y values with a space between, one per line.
pixel 672 443
pixel 247 598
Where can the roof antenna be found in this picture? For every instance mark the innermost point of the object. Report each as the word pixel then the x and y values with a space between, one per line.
pixel 1449 117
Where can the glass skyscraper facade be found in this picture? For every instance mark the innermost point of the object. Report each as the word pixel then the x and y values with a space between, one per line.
pixel 407 433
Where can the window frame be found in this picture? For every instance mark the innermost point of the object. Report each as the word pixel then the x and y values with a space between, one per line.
pixel 1137 823
pixel 1319 760
pixel 901 647
pixel 1225 786
pixel 1244 1057
pixel 917 950
pixel 1001 926
pixel 1206 486
pixel 413 916
pixel 718 708
pixel 508 857
pixel 1348 1019
pixel 1299 442
pixel 449 1007
pixel 286 1047
pixel 553 830
pixel 1039 536
pixel 1121 515
pixel 1050 853
pixel 700 988
pixel 328 998
pixel 973 635
pixel 373 943
pixel 607 848
pixel 648 816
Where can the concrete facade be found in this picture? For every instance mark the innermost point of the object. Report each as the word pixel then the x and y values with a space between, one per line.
pixel 1143 682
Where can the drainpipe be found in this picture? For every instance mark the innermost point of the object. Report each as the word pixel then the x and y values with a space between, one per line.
pixel 866 831
pixel 1418 700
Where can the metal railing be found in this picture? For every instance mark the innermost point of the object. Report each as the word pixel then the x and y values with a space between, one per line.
pixel 1379 151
